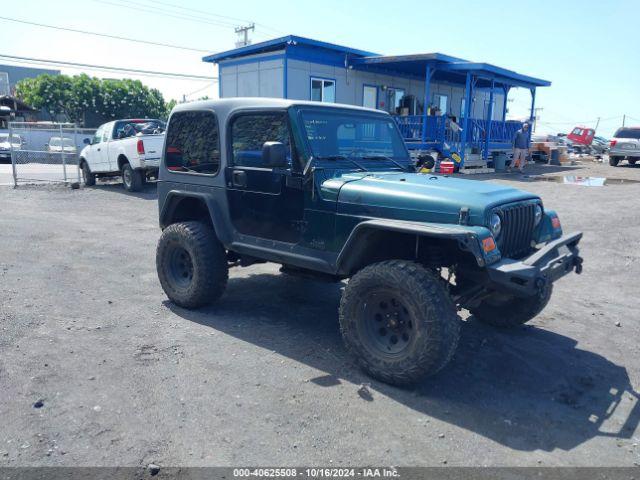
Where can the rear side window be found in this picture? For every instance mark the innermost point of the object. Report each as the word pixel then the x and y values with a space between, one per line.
pixel 193 143
pixel 628 133
pixel 250 131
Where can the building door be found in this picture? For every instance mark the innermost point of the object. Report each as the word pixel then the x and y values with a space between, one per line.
pixel 394 100
pixel 370 96
pixel 264 202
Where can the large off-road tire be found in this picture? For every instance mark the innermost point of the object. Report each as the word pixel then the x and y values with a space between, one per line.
pixel 398 321
pixel 192 264
pixel 613 161
pixel 131 179
pixel 507 311
pixel 88 177
pixel 632 161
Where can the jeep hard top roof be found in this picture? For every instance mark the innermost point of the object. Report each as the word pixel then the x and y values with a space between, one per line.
pixel 225 106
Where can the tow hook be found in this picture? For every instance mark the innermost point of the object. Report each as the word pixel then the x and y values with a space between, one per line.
pixel 577 262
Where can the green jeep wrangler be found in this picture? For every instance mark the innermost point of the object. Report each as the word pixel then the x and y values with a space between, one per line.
pixel 330 192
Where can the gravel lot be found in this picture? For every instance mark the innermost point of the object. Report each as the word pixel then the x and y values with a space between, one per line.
pixel 126 378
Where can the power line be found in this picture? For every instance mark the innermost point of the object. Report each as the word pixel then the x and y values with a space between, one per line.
pixel 102 35
pixel 209 85
pixel 180 76
pixel 241 20
pixel 168 13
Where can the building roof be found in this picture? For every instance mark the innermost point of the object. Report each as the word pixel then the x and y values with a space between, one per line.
pixel 416 64
pixel 448 67
pixel 279 44
pixel 16 103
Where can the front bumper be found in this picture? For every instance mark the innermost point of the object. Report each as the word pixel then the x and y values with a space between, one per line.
pixel 528 276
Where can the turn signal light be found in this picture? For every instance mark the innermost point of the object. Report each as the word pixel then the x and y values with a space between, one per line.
pixel 555 221
pixel 140 147
pixel 488 244
pixel 612 143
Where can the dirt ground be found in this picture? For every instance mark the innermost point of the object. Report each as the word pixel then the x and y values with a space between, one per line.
pixel 123 377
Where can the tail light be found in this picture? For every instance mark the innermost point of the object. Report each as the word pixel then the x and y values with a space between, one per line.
pixel 140 147
pixel 612 143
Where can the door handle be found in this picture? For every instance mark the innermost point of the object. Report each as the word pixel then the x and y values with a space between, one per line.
pixel 98 149
pixel 239 178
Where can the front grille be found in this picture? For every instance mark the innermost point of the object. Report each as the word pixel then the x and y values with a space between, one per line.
pixel 517 229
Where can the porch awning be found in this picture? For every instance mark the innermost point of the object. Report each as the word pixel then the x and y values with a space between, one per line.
pixel 447 68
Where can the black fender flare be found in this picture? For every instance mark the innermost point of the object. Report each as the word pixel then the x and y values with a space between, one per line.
pixel 467 238
pixel 173 198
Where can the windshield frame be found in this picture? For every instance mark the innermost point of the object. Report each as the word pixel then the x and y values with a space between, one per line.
pixel 301 133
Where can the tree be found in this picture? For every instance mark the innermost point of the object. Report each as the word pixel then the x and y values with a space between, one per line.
pixel 78 95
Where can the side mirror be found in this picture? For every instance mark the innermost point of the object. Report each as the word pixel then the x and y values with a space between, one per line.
pixel 274 154
pixel 86 141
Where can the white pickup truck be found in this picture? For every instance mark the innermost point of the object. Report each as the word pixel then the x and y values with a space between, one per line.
pixel 130 148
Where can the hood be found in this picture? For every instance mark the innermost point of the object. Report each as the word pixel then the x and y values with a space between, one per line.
pixel 418 197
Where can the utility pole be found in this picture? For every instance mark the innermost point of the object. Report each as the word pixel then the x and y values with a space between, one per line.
pixel 243 35
pixel 535 117
pixel 624 118
pixel 597 124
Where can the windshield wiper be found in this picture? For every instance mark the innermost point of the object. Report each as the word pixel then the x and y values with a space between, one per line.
pixel 384 157
pixel 342 157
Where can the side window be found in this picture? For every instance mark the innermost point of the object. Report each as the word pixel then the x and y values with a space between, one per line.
pixel 193 143
pixel 249 132
pixel 323 90
pixel 97 137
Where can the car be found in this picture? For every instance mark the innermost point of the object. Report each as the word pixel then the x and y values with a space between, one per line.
pixel 625 144
pixel 5 146
pixel 330 192
pixel 128 148
pixel 56 146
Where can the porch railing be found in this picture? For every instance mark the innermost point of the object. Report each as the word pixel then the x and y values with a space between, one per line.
pixel 411 127
pixel 437 130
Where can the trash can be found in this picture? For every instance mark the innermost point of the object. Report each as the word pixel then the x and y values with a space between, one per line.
pixel 555 157
pixel 500 162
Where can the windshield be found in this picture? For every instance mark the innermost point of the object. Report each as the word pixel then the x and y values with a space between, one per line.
pixel 55 142
pixel 628 133
pixel 368 140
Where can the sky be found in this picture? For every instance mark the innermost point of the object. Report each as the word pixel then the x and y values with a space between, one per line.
pixel 588 49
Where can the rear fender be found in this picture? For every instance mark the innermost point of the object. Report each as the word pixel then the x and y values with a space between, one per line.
pixel 169 206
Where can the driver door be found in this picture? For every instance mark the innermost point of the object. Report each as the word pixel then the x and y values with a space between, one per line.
pixel 263 201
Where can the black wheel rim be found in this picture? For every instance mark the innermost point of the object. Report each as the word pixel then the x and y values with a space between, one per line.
pixel 180 267
pixel 386 323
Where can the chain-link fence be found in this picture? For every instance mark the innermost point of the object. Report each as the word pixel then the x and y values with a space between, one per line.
pixel 46 152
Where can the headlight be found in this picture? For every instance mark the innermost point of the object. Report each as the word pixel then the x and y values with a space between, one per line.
pixel 495 225
pixel 537 215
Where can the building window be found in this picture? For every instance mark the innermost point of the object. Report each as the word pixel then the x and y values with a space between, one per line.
pixel 193 143
pixel 323 90
pixel 370 97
